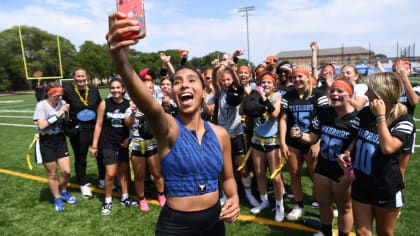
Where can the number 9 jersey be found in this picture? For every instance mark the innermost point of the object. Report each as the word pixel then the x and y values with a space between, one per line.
pixel 379 175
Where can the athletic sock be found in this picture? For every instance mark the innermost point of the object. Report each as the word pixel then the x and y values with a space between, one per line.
pixel 108 199
pixel 300 204
pixel 124 196
pixel 342 234
pixel 264 198
pixel 279 203
pixel 248 192
pixel 326 230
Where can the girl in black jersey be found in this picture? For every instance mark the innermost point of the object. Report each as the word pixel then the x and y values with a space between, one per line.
pixel 298 108
pixel 110 126
pixel 336 127
pixel 385 132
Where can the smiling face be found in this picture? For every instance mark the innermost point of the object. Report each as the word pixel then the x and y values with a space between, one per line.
pixel 166 86
pixel 80 78
pixel 268 86
pixel 187 91
pixel 116 88
pixel 243 76
pixel 300 81
pixel 339 97
pixel 349 74
pixel 225 80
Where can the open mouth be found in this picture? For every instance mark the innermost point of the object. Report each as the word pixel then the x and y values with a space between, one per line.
pixel 186 99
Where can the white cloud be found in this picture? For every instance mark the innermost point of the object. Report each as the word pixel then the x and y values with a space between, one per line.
pixel 275 26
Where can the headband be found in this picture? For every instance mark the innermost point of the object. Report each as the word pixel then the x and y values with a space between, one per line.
pixel 314 82
pixel 259 69
pixel 183 53
pixel 57 90
pixel 208 72
pixel 287 67
pixel 343 85
pixel 403 62
pixel 268 76
pixel 244 68
pixel 328 67
pixel 300 70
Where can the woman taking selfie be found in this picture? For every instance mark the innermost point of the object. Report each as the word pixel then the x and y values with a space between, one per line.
pixel 193 153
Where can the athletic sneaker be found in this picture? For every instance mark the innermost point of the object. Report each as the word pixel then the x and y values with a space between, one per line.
pixel 259 208
pixel 252 200
pixel 58 204
pixel 144 206
pixel 106 209
pixel 67 197
pixel 128 202
pixel 101 184
pixel 279 217
pixel 296 213
pixel 315 205
pixel 162 200
pixel 322 234
pixel 86 193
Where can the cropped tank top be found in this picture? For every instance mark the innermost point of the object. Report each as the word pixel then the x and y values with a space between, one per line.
pixel 190 169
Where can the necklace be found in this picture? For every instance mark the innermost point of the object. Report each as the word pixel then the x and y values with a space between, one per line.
pixel 84 101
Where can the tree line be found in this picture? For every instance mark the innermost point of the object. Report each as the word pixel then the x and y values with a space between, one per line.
pixel 42 55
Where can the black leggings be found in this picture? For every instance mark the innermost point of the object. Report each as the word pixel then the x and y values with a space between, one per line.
pixel 204 222
pixel 80 144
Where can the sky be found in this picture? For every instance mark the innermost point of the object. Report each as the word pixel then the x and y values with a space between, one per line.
pixel 206 26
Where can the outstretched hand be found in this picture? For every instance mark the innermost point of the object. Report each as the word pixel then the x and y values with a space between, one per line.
pixel 165 58
pixel 314 45
pixel 118 26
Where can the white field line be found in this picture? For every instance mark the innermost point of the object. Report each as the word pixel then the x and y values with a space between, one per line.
pixel 12 106
pixel 12 101
pixel 16 111
pixel 18 125
pixel 23 117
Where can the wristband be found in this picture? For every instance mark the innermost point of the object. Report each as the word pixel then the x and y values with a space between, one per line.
pixel 52 120
pixel 269 106
pixel 381 118
pixel 300 136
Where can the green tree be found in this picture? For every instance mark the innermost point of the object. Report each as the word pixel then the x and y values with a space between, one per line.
pixel 96 59
pixel 40 53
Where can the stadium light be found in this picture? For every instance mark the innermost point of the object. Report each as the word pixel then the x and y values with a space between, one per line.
pixel 246 10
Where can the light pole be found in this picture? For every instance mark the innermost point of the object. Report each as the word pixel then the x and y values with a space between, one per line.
pixel 246 10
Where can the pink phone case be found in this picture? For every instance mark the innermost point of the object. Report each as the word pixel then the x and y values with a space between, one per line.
pixel 134 10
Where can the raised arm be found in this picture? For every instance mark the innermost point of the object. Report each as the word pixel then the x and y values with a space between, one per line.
pixel 412 96
pixel 160 122
pixel 314 62
pixel 215 65
pixel 166 64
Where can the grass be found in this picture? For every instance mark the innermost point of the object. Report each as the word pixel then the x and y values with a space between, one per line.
pixel 26 205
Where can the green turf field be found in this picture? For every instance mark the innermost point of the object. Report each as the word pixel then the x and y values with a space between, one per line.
pixel 26 205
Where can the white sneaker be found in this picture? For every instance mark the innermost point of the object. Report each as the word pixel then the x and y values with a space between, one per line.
pixel 322 234
pixel 260 207
pixel 101 184
pixel 315 205
pixel 279 217
pixel 86 193
pixel 296 213
pixel 252 200
pixel 223 200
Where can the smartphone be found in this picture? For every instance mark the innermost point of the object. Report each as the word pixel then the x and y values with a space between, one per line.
pixel 134 10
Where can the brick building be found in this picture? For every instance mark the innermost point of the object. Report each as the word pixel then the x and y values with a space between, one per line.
pixel 344 55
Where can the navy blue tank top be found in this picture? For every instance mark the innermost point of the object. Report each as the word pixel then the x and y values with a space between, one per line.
pixel 190 169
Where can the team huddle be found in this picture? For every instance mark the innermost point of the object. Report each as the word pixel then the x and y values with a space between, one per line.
pixel 199 131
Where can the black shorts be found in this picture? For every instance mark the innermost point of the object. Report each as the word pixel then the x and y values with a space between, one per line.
pixel 329 169
pixel 148 149
pixel 366 197
pixel 295 143
pixel 113 156
pixel 204 222
pixel 49 148
pixel 270 144
pixel 238 145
